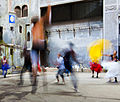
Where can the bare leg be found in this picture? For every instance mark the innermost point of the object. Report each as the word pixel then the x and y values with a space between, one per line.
pixel 45 84
pixel 34 70
pixel 34 85
pixel 62 76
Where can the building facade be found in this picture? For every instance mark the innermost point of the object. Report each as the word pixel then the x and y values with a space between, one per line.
pixel 76 21
pixel 79 22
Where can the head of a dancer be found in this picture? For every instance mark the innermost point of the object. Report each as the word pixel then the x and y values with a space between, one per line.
pixel 34 19
pixel 115 52
pixel 71 45
pixel 59 55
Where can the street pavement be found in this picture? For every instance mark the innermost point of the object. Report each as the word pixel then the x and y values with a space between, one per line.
pixel 90 89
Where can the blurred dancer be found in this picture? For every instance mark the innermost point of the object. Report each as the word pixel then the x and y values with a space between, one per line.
pixel 95 67
pixel 39 42
pixel 70 55
pixel 27 65
pixel 113 68
pixel 61 68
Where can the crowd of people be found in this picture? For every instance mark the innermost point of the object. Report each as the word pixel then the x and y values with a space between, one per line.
pixel 64 60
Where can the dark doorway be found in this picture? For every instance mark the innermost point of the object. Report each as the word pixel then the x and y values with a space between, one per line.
pixel 44 54
pixel 28 36
pixel 1 33
pixel 44 58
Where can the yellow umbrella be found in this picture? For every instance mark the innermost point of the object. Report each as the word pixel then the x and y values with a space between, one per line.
pixel 96 49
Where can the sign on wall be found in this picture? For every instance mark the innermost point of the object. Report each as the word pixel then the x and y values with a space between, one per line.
pixel 11 19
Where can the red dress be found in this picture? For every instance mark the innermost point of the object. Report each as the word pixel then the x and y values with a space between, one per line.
pixel 96 67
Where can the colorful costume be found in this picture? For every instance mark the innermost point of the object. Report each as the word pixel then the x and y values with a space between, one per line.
pixel 96 50
pixel 96 67
pixel 5 67
pixel 113 69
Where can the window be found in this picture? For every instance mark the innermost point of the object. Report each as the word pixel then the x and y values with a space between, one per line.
pixel 87 10
pixel 43 11
pixel 21 54
pixel 61 13
pixel 18 11
pixel 24 11
pixel 1 33
pixel 20 29
pixel 28 36
pixel 76 11
pixel 12 28
pixel 11 51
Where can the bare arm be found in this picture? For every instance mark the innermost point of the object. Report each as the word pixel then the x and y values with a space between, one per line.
pixel 106 55
pixel 47 15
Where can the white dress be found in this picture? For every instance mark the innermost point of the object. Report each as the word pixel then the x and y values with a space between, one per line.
pixel 113 69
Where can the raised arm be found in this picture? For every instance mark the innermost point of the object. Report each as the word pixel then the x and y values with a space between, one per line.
pixel 47 15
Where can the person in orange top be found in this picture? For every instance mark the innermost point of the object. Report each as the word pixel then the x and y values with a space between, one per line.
pixel 38 43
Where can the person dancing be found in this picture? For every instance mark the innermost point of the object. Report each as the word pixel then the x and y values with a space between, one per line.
pixel 114 58
pixel 70 55
pixel 95 67
pixel 61 68
pixel 38 42
pixel 27 65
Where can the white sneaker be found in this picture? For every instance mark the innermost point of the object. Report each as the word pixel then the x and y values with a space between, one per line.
pixel 76 90
pixel 63 83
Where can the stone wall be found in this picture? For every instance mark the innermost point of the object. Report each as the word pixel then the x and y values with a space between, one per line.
pixel 12 37
pixel 111 22
pixel 85 33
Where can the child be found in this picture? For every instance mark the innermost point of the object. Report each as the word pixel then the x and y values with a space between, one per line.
pixel 61 68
